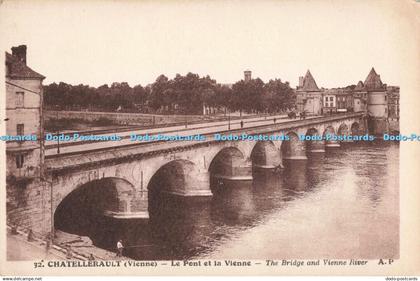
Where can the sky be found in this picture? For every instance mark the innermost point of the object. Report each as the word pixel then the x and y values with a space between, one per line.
pixel 99 42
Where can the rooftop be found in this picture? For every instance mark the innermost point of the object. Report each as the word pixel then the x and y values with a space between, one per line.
pixel 17 69
pixel 373 81
pixel 309 84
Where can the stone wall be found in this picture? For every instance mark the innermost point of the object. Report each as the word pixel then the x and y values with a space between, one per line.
pixel 123 118
pixel 28 205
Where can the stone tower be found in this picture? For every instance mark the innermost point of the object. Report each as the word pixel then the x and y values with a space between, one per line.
pixel 247 75
pixel 377 104
pixel 308 95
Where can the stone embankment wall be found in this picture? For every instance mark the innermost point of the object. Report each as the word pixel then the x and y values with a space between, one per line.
pixel 125 118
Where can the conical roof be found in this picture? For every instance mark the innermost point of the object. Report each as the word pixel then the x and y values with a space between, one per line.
pixel 373 81
pixel 309 83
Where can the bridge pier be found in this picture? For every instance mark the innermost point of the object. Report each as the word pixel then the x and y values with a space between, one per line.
pixel 243 173
pixel 346 142
pixel 196 184
pixel 317 147
pixel 230 164
pixel 314 142
pixel 265 156
pixel 132 206
pixel 332 144
pixel 293 149
pixel 181 178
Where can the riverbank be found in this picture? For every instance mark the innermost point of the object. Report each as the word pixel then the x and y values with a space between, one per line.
pixel 83 246
pixel 20 248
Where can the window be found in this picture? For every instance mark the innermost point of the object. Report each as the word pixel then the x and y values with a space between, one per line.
pixel 19 99
pixel 326 98
pixel 19 161
pixel 20 129
pixel 331 98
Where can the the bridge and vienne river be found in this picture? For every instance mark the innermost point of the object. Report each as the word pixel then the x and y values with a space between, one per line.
pixel 230 199
pixel 122 176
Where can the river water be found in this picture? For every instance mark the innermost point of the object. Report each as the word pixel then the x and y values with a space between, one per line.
pixel 344 204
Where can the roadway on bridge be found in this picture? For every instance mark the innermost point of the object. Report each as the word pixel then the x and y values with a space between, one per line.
pixel 180 130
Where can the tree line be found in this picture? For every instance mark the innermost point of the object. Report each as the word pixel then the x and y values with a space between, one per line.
pixel 181 95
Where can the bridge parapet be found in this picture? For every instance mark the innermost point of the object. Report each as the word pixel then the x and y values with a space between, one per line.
pixel 136 151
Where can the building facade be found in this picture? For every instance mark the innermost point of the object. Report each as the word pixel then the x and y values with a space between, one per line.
pixel 24 153
pixel 359 97
pixel 329 102
pixel 344 100
pixel 379 101
pixel 24 115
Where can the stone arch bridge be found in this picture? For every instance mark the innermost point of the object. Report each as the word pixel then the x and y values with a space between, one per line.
pixel 121 180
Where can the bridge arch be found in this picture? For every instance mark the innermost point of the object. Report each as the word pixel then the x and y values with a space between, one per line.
pixel 111 197
pixel 355 129
pixel 314 142
pixel 343 130
pixel 175 179
pixel 265 155
pixel 230 163
pixel 178 177
pixel 293 148
pixel 329 134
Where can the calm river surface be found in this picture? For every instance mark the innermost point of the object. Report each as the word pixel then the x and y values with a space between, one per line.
pixel 341 205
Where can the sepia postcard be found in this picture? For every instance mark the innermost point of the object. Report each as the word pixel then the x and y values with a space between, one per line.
pixel 271 137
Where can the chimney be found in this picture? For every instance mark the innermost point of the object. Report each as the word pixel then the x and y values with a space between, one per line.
pixel 247 75
pixel 300 81
pixel 20 53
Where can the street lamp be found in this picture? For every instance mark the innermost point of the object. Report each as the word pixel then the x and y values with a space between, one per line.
pixel 58 130
pixel 229 119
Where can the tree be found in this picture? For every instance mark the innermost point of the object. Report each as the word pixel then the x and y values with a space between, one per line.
pixel 140 95
pixel 157 91
pixel 278 96
pixel 248 95
pixel 182 94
